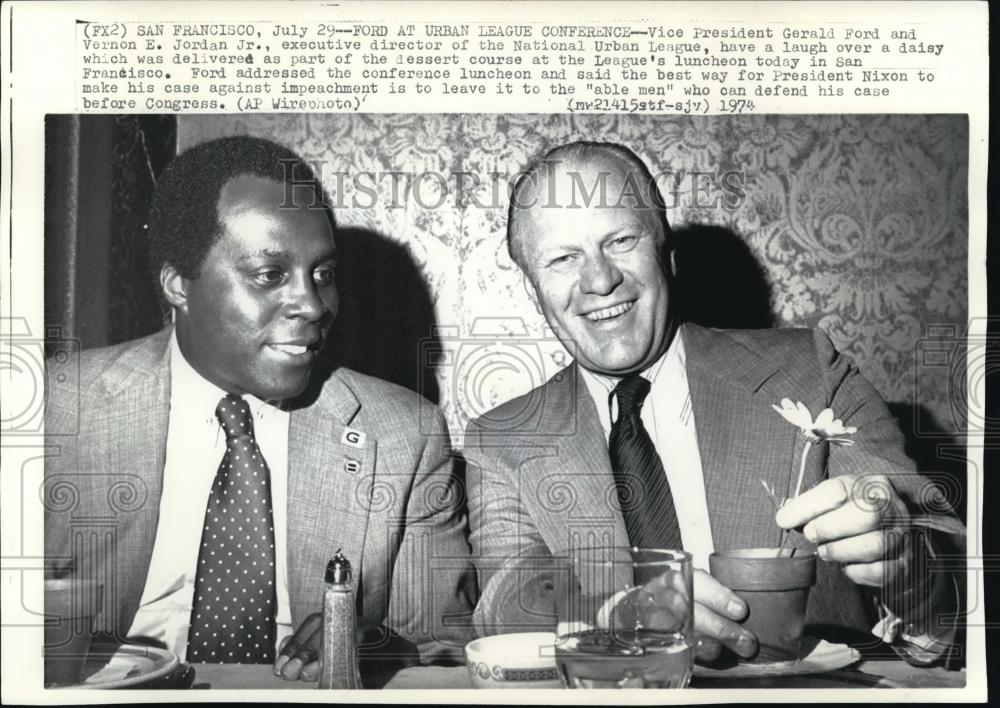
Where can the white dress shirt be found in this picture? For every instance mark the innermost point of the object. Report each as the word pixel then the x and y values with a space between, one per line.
pixel 196 444
pixel 669 420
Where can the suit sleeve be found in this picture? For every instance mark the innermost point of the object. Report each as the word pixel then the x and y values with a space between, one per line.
pixel 513 564
pixel 433 583
pixel 918 620
pixel 61 416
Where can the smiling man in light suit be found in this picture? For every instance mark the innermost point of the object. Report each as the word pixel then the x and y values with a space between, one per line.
pixel 660 433
pixel 229 464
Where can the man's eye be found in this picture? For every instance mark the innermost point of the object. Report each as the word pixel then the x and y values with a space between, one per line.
pixel 324 276
pixel 623 243
pixel 270 276
pixel 562 260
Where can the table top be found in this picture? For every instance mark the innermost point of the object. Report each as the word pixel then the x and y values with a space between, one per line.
pixel 866 674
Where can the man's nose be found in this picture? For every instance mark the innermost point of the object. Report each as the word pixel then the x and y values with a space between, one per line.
pixel 600 276
pixel 305 301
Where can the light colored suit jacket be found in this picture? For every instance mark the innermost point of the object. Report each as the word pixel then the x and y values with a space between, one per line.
pixel 540 480
pixel 391 503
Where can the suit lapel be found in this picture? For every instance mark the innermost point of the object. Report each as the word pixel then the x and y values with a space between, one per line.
pixel 741 441
pixel 331 467
pixel 571 473
pixel 138 402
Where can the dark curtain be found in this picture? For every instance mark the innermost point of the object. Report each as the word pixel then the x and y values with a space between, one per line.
pixel 100 173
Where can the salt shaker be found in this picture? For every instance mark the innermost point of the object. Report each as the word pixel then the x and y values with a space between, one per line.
pixel 340 650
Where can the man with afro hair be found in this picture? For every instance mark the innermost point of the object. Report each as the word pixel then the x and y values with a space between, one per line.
pixel 248 460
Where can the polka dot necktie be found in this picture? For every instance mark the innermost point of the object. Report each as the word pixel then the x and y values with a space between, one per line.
pixel 643 491
pixel 232 618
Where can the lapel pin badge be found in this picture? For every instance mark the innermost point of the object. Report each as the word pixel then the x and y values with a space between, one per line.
pixel 352 437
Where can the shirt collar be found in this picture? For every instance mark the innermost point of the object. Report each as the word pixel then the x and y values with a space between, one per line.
pixel 669 360
pixel 669 367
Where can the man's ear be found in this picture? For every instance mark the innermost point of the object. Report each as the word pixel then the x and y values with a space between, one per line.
pixel 174 286
pixel 673 262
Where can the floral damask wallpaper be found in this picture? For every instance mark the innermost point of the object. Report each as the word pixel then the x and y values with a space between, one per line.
pixel 857 224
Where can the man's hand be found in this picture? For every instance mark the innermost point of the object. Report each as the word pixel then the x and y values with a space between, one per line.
pixel 717 613
pixel 299 655
pixel 850 519
pixel 661 604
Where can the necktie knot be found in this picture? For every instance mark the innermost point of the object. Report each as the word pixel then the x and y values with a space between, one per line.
pixel 234 417
pixel 631 392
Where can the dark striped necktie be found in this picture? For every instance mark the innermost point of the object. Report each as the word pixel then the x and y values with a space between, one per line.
pixel 643 491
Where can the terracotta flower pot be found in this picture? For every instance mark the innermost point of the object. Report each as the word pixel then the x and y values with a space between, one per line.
pixel 776 591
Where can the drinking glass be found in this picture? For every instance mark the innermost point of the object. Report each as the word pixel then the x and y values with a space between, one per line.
pixel 625 618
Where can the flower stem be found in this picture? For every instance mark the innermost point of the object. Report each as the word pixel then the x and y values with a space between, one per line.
pixel 781 546
pixel 802 467
pixel 798 488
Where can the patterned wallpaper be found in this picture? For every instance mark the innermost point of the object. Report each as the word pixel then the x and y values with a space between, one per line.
pixel 856 224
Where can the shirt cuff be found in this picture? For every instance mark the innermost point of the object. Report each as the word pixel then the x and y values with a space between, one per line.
pixel 603 618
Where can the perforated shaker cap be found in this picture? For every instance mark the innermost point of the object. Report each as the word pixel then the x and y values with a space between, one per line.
pixel 338 570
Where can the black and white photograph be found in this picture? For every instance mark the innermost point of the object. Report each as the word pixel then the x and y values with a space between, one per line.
pixel 545 398
pixel 440 313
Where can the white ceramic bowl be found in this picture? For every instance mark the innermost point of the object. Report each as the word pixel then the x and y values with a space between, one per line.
pixel 525 660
